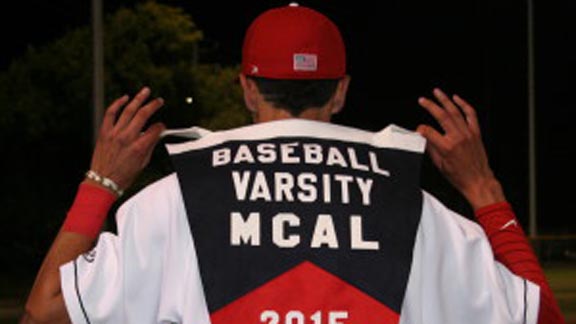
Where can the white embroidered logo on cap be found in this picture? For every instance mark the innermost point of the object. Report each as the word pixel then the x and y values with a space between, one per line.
pixel 305 62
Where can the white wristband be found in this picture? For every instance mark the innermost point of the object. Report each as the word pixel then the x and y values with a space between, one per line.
pixel 106 182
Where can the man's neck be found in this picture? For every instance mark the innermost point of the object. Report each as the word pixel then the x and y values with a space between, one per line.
pixel 269 113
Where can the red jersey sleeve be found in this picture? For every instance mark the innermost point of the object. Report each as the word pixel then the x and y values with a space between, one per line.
pixel 511 248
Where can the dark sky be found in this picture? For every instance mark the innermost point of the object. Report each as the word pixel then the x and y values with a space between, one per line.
pixel 400 52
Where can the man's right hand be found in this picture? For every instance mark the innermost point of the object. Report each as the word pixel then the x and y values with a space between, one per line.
pixel 459 152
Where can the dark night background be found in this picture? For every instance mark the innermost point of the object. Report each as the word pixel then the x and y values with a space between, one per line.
pixel 397 51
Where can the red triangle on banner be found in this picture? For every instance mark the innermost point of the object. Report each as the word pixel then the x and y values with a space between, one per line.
pixel 305 294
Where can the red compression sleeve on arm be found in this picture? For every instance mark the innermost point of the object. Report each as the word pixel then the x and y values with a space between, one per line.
pixel 511 248
pixel 89 210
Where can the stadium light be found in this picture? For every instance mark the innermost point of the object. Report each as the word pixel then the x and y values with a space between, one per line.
pixel 98 68
pixel 532 163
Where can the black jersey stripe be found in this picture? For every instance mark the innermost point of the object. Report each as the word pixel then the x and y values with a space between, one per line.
pixel 77 288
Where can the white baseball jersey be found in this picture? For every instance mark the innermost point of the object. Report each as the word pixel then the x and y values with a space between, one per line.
pixel 294 222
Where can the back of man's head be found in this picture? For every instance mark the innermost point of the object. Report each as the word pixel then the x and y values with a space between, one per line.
pixel 296 56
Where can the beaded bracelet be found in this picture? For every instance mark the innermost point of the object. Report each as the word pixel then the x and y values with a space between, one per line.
pixel 106 182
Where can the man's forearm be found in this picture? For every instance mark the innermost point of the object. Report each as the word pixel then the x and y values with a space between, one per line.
pixel 512 248
pixel 123 149
pixel 509 243
pixel 77 235
pixel 485 191
pixel 45 303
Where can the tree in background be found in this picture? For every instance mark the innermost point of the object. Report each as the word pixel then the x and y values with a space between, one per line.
pixel 46 109
pixel 48 91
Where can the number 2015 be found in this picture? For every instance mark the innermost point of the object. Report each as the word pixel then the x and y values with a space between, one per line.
pixel 297 317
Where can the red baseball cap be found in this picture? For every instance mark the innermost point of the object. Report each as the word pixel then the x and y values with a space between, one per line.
pixel 293 42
